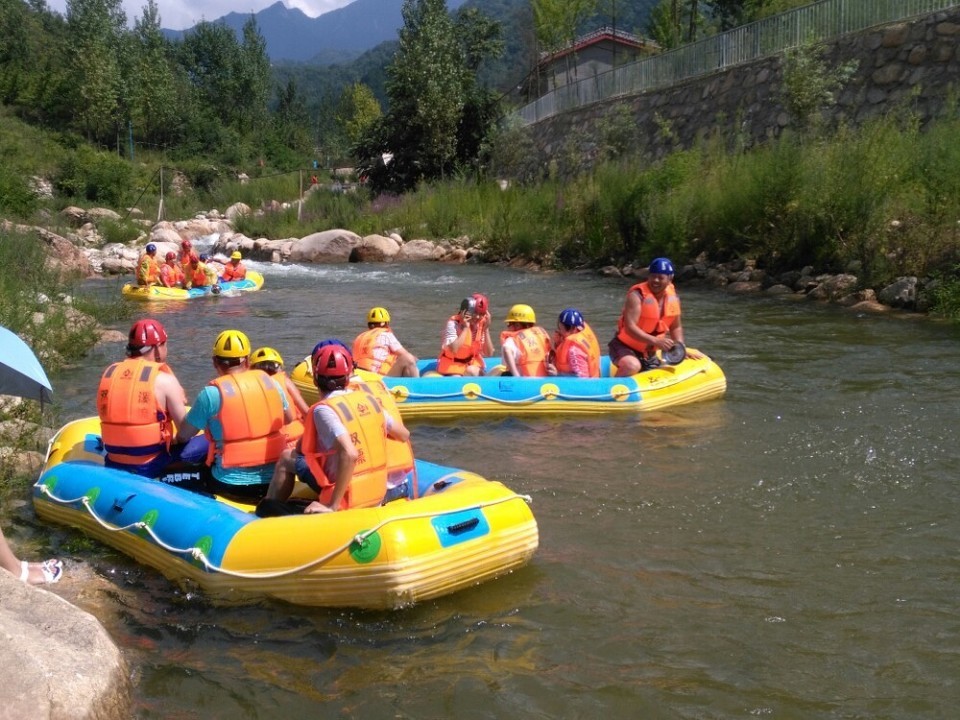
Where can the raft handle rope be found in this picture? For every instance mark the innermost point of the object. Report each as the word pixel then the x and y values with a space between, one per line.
pixel 625 393
pixel 198 554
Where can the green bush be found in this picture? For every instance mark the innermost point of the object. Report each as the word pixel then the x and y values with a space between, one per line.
pixel 87 175
pixel 17 199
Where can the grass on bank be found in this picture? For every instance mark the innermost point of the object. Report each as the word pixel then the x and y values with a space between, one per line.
pixel 882 199
pixel 57 321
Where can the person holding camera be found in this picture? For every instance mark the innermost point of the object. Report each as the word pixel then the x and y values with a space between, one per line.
pixel 466 339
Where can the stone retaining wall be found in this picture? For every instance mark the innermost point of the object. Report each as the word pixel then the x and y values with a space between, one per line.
pixel 913 62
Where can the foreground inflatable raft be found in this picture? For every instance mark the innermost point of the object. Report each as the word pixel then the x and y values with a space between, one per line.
pixel 462 531
pixel 490 396
pixel 252 283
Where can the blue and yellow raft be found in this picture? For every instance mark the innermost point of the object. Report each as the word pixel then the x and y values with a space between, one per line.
pixel 433 396
pixel 252 282
pixel 460 531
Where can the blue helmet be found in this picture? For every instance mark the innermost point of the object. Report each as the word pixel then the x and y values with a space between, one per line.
pixel 571 318
pixel 151 248
pixel 661 266
pixel 204 257
pixel 328 341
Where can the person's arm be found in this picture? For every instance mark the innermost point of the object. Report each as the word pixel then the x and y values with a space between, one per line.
pixel 509 355
pixel 396 429
pixel 486 342
pixel 453 337
pixel 293 393
pixel 197 417
pixel 172 398
pixel 676 332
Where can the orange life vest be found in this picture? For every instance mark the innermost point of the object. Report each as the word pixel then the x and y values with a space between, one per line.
pixel 470 353
pixel 198 275
pixel 656 316
pixel 399 452
pixel 233 272
pixel 251 413
pixel 533 346
pixel 586 340
pixel 148 270
pixel 134 427
pixel 361 414
pixel 170 275
pixel 364 351
pixel 293 429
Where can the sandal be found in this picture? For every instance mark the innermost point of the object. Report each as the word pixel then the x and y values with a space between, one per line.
pixel 52 571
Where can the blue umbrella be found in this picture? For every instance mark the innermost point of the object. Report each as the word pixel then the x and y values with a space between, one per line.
pixel 20 372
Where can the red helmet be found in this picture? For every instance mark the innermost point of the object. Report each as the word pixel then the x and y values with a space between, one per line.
pixel 147 333
pixel 171 256
pixel 482 304
pixel 186 244
pixel 332 361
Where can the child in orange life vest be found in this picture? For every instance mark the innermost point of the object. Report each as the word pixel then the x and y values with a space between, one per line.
pixel 378 350
pixel 524 346
pixel 343 453
pixel 576 350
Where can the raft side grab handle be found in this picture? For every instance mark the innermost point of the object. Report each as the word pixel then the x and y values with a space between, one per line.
pixel 462 527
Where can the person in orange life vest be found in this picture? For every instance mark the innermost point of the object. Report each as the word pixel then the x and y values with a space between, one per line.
pixel 235 269
pixel 343 453
pixel 271 362
pixel 650 321
pixel 466 339
pixel 378 350
pixel 524 345
pixel 576 350
pixel 148 269
pixel 170 273
pixel 189 260
pixel 243 412
pixel 141 403
pixel 202 274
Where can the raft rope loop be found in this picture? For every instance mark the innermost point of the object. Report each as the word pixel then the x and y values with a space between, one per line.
pixel 198 554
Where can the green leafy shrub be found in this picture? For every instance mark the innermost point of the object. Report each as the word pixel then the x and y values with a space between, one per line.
pixel 88 175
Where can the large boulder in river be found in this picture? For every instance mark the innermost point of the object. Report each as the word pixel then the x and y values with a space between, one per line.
pixel 375 248
pixel 419 251
pixel 60 661
pixel 329 246
pixel 900 294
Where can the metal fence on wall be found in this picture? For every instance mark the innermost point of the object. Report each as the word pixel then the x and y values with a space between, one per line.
pixel 813 23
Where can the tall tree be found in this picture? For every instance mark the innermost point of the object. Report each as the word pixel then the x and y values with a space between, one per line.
pixel 426 90
pixel 154 109
pixel 96 29
pixel 252 82
pixel 357 110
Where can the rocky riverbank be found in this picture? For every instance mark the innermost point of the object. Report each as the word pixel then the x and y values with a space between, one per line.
pixel 84 249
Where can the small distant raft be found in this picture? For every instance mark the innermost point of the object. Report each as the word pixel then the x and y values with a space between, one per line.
pixel 433 396
pixel 252 282
pixel 460 531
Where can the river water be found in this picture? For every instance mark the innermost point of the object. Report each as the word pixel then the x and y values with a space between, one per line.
pixel 788 551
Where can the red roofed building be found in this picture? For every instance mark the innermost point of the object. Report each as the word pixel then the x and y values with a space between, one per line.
pixel 591 54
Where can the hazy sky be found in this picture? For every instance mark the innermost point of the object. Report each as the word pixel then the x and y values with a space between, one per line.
pixel 181 14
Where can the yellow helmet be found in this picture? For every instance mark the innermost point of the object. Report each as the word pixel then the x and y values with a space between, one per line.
pixel 231 344
pixel 235 255
pixel 521 314
pixel 378 315
pixel 265 354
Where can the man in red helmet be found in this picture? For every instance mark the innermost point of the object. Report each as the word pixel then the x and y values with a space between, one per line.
pixel 141 403
pixel 343 454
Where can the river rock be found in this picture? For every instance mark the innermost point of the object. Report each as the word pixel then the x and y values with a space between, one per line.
pixel 419 251
pixel 165 232
pixel 59 661
pixel 833 287
pixel 329 246
pixel 375 248
pixel 98 214
pixel 900 294
pixel 63 255
pixel 236 210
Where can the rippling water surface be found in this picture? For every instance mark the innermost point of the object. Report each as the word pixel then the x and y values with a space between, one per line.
pixel 789 551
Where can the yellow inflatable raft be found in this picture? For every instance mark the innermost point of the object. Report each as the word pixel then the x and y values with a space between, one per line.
pixel 461 530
